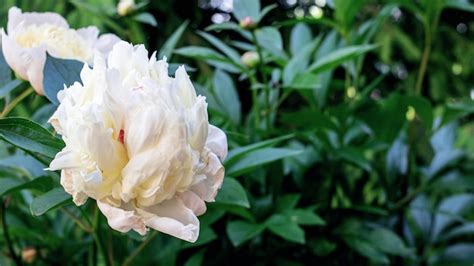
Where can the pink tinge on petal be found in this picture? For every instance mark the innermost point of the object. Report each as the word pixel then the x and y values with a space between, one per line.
pixel 193 202
pixel 78 197
pixel 122 220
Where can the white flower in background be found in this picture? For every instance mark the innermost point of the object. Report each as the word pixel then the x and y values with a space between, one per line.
pixel 124 7
pixel 31 35
pixel 139 142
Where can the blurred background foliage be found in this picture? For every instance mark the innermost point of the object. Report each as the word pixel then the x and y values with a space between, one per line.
pixel 350 127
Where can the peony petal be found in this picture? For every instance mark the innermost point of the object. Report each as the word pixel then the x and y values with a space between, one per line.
pixel 184 87
pixel 122 220
pixel 27 63
pixel 65 159
pixel 217 142
pixel 67 181
pixel 192 201
pixel 16 18
pixel 172 217
pixel 214 172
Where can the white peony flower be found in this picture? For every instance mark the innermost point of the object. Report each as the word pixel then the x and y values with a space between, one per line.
pixel 139 142
pixel 31 35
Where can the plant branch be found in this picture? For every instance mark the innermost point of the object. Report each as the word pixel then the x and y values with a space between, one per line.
pixel 137 251
pixel 264 80
pixel 9 107
pixel 7 235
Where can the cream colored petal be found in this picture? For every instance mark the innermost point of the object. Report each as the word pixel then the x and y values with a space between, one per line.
pixel 214 172
pixel 217 142
pixel 67 181
pixel 16 17
pixel 172 217
pixel 122 219
pixel 144 127
pixel 65 159
pixel 105 43
pixel 198 124
pixel 184 87
pixel 28 63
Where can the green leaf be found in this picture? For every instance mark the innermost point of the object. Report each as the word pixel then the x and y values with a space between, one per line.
pixel 392 243
pixel 48 201
pixel 287 202
pixel 304 217
pixel 259 158
pixel 170 44
pixel 196 52
pixel 300 37
pixel 366 249
pixel 59 73
pixel 346 11
pixel 240 231
pixel 354 155
pixel 286 228
pixel 9 87
pixel 146 18
pixel 304 81
pixel 226 95
pixel 464 5
pixel 397 158
pixel 232 193
pixel 270 39
pixel 240 152
pixel 246 8
pixel 224 48
pixel 336 58
pixel 196 259
pixel 299 61
pixel 30 136
pixel 9 185
pixel 5 71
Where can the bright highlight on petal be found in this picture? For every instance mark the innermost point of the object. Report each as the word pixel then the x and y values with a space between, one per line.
pixel 139 142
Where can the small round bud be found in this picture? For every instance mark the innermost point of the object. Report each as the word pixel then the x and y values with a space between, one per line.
pixel 125 7
pixel 247 23
pixel 250 59
pixel 29 254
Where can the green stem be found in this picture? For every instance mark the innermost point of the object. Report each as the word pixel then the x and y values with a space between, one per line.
pixel 9 107
pixel 253 83
pixel 98 240
pixel 137 251
pixel 429 28
pixel 261 65
pixel 6 234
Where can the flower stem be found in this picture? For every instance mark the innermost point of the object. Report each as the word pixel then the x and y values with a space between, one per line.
pixel 98 239
pixel 137 251
pixel 264 80
pixel 9 107
pixel 6 234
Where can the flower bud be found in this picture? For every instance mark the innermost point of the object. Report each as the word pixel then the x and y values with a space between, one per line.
pixel 125 7
pixel 250 59
pixel 29 254
pixel 247 23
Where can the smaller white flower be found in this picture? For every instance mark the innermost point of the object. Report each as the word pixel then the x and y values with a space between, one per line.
pixel 124 7
pixel 31 35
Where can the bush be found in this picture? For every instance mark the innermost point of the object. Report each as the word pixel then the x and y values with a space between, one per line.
pixel 349 126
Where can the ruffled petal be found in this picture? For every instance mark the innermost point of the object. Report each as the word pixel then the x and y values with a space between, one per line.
pixel 214 172
pixel 217 142
pixel 192 201
pixel 122 219
pixel 172 217
pixel 16 18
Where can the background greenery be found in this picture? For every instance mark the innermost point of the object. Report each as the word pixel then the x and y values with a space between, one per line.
pixel 350 139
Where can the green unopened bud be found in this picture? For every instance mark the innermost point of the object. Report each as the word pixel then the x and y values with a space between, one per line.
pixel 250 59
pixel 247 23
pixel 126 7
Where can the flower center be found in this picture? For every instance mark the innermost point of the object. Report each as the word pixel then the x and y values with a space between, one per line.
pixel 62 42
pixel 121 136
